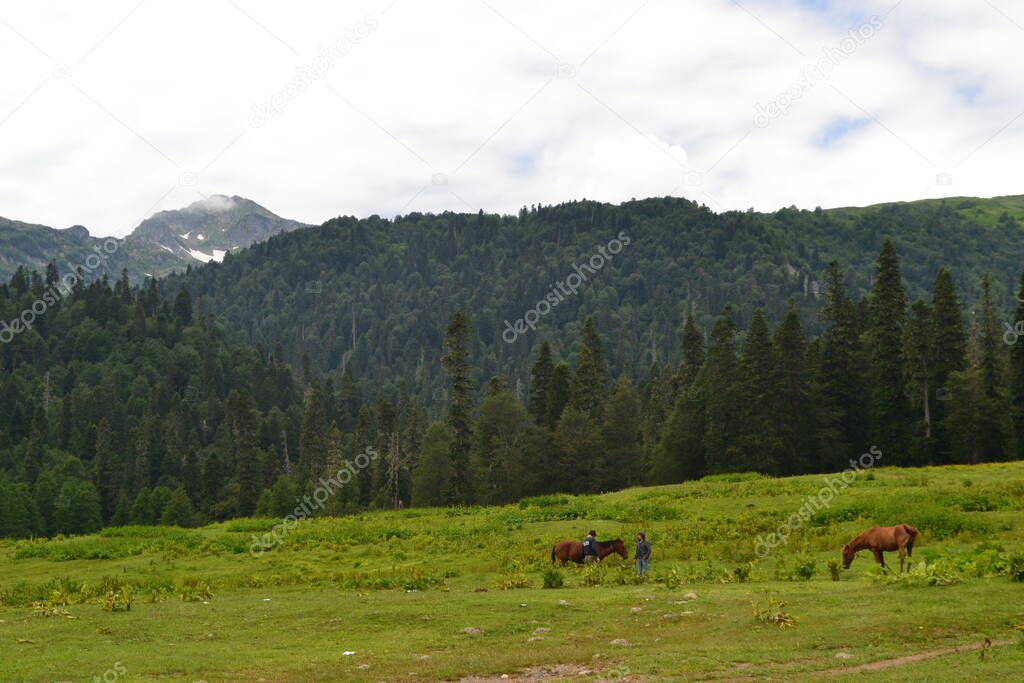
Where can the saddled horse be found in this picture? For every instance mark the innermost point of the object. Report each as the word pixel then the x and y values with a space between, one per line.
pixel 882 538
pixel 573 550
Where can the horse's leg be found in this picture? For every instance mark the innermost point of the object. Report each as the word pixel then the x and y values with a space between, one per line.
pixel 879 557
pixel 902 551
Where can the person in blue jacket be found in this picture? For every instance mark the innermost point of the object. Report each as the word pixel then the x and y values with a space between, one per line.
pixel 643 553
pixel 590 546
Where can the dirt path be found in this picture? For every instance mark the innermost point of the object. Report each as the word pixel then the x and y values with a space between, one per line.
pixel 876 665
pixel 910 659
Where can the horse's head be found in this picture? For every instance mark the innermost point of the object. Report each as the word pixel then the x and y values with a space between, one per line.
pixel 847 556
pixel 619 547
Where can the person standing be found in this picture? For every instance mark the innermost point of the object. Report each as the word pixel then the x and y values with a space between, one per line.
pixel 643 553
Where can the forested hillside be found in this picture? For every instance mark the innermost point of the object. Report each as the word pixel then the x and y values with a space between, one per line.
pixel 118 405
pixel 373 295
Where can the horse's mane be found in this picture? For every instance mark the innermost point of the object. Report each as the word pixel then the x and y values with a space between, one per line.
pixel 605 544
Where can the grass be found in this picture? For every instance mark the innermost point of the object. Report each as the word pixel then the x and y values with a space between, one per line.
pixel 444 594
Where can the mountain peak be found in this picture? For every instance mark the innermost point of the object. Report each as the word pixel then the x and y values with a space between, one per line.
pixel 78 231
pixel 210 228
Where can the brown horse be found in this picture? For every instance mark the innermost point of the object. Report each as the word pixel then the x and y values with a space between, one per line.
pixel 882 538
pixel 573 550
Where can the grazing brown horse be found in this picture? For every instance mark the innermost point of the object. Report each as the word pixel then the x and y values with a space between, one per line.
pixel 882 538
pixel 573 550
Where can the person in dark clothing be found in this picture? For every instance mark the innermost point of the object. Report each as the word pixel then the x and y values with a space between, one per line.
pixel 590 546
pixel 643 553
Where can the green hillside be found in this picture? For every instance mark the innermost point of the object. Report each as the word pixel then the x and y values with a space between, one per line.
pixel 448 593
pixel 373 295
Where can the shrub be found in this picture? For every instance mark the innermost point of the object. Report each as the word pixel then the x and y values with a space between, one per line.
pixel 1015 567
pixel 834 569
pixel 593 574
pixel 772 612
pixel 553 578
pixel 194 590
pixel 805 568
pixel 515 577
pixel 119 600
pixel 936 573
pixel 673 579
pixel 742 572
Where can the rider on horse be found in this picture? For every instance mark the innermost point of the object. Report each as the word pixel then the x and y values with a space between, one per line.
pixel 590 546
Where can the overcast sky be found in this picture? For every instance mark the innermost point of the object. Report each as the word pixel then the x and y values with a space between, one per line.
pixel 112 111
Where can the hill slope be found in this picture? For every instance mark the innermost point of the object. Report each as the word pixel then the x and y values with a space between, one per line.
pixel 374 295
pixel 447 593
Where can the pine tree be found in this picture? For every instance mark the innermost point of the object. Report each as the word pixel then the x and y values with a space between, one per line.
pixel 243 420
pixel 499 460
pixel 723 394
pixel 183 307
pixel 679 454
pixel 558 394
pixel 620 464
pixel 589 384
pixel 540 383
pixel 844 414
pixel 431 482
pixel 693 351
pixel 1016 380
pixel 578 442
pixel 103 468
pixel 758 445
pixel 796 414
pixel 948 348
pixel 918 352
pixel 313 439
pixel 460 405
pixel 178 511
pixel 887 316
pixel 993 428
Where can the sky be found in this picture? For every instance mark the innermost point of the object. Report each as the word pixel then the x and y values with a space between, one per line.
pixel 112 111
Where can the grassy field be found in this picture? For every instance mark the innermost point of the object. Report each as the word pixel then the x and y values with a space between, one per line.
pixel 459 594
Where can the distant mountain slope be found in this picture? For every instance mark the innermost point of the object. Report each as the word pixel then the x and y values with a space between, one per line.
pixel 207 230
pixel 373 295
pixel 167 241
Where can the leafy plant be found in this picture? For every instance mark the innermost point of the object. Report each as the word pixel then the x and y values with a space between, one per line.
pixel 194 590
pixel 805 568
pixel 834 569
pixel 772 612
pixel 118 600
pixel 553 578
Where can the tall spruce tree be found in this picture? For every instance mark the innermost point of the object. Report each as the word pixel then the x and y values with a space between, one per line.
pixel 722 396
pixel 620 462
pixel 558 394
pixel 590 382
pixel 841 381
pixel 795 416
pixel 948 349
pixel 758 446
pixel 313 439
pixel 1016 379
pixel 460 405
pixel 540 383
pixel 693 351
pixel 918 353
pixel 887 312
pixel 993 428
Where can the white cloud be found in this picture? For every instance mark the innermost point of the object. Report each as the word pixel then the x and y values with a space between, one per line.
pixel 156 112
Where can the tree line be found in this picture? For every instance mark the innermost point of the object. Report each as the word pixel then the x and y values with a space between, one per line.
pixel 122 406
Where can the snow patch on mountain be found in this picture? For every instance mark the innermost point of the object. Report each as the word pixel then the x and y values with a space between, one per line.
pixel 217 255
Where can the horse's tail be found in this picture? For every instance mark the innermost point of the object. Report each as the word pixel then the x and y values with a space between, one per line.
pixel 913 537
pixel 553 554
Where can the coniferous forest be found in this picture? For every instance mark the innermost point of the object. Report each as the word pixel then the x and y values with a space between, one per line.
pixel 130 404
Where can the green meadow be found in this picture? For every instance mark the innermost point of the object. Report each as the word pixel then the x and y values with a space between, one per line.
pixel 470 594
